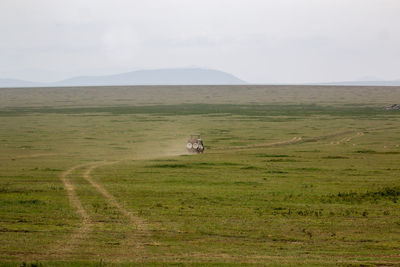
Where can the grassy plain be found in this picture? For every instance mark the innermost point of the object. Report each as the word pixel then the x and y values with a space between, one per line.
pixel 291 176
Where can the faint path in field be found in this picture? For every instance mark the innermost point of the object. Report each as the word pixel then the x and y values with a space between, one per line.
pixel 38 155
pixel 359 134
pixel 294 140
pixel 347 139
pixel 297 140
pixel 86 223
pixel 280 143
pixel 141 225
pixel 63 248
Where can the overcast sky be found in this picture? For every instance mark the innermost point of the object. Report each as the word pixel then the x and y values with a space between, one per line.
pixel 260 41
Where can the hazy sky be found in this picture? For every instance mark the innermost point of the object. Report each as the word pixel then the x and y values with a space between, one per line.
pixel 284 41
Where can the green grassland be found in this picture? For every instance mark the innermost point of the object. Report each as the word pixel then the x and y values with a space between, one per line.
pixel 292 175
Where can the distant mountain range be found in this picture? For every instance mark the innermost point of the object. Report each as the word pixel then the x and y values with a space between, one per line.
pixel 182 76
pixel 185 76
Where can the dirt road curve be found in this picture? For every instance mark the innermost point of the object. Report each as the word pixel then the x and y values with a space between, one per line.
pixel 296 140
pixel 140 223
pixel 75 239
pixel 64 248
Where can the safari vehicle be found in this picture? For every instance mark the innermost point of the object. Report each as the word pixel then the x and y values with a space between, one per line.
pixel 195 144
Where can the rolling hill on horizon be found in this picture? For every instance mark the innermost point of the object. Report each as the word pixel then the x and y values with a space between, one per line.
pixel 177 76
pixel 184 76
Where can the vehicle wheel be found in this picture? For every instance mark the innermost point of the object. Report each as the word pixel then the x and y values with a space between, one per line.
pixel 189 145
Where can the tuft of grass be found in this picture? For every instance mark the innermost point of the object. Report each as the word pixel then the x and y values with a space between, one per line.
pixel 335 157
pixel 389 193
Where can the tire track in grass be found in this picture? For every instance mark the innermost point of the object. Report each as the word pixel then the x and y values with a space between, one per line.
pixel 297 140
pixel 141 225
pixel 28 156
pixel 347 139
pixel 361 133
pixel 86 222
pixel 294 140
pixel 62 248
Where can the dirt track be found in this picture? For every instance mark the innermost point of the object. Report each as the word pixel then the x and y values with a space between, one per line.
pixel 347 139
pixel 296 140
pixel 140 223
pixel 65 248
pixel 30 156
pixel 86 224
